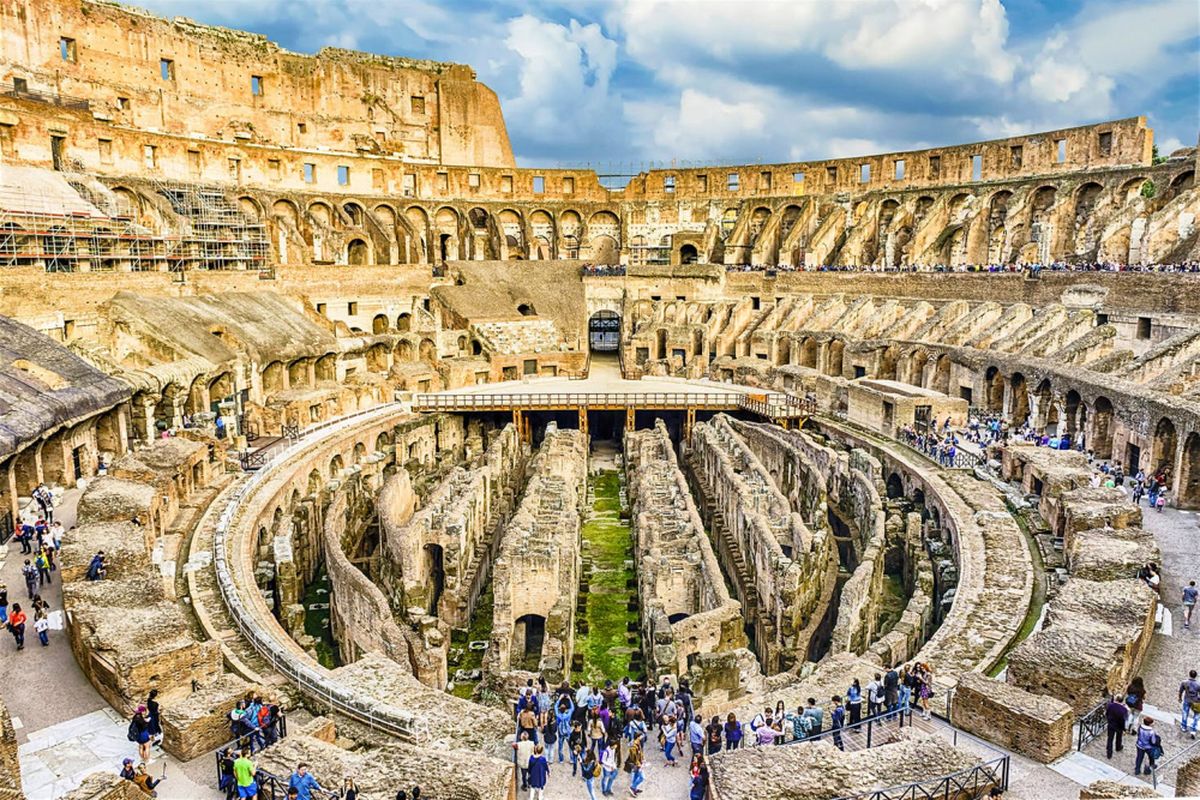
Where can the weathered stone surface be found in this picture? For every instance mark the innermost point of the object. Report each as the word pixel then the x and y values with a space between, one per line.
pixel 1033 725
pixel 199 723
pixel 1109 554
pixel 1111 790
pixel 820 771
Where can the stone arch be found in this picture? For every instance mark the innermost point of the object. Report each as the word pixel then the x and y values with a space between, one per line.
pixel 1132 189
pixel 1072 404
pixel 322 213
pixel 272 377
pixel 1020 400
pixel 314 483
pixel 298 372
pixel 1102 427
pixel 250 207
pixel 833 365
pixel 336 466
pixel 355 213
pixel 326 367
pixel 287 211
pixel 379 324
pixel 1166 441
pixel 688 254
pixel 941 374
pixel 1183 181
pixel 404 350
pixel 447 245
pixel 1188 493
pixel 808 353
pixel 605 250
pixel 360 453
pixel 358 253
pixel 383 441
pixel 404 322
pixel 993 381
pixel 377 356
pixel 427 350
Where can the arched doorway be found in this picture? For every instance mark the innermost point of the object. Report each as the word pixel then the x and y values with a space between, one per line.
pixel 531 632
pixel 688 254
pixel 995 390
pixel 379 324
pixel 1189 473
pixel 1102 428
pixel 1162 457
pixel 604 332
pixel 1020 400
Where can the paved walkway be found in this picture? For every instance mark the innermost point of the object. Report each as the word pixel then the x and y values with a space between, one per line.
pixel 65 730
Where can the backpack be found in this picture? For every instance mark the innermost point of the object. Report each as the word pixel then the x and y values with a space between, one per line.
pixel 132 733
pixel 589 770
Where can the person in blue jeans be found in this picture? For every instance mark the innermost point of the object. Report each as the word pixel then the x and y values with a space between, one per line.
pixel 670 732
pixel 588 769
pixel 837 721
pixel 1189 696
pixel 608 770
pixel 562 716
pixel 635 763
pixel 1149 745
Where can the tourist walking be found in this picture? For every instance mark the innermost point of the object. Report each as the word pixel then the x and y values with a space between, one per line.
pixel 41 627
pixel 1190 594
pixel 699 778
pixel 633 765
pixel 522 753
pixel 16 625
pixel 1149 747
pixel 30 573
pixel 539 773
pixel 576 744
pixel 244 773
pixel 1135 698
pixel 837 721
pixel 1189 697
pixel 562 720
pixel 733 732
pixel 588 770
pixel 608 770
pixel 1116 714
pixel 139 732
pixel 303 782
pixel 152 717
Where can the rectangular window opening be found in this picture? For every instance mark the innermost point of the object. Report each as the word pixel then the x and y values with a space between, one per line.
pixel 473 180
pixel 506 184
pixel 301 128
pixel 66 49
pixel 831 174
pixel 166 69
pixel 976 167
pixel 864 173
pixel 256 85
pixel 539 184
pixel 377 179
pixel 193 157
pixel 732 181
pixel 764 181
pixel 797 177
pixel 1106 140
pixel 669 184
pixel 702 183
pixel 935 166
pixel 1016 155
pixel 106 156
pixel 310 173
pixel 568 186
pixel 1060 151
pixel 352 308
pixel 898 169
pixel 150 156
pixel 417 104
pixel 273 168
pixel 1143 328
pixel 343 175
pixel 443 182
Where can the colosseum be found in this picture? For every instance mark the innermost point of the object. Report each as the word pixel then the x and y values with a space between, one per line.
pixel 359 441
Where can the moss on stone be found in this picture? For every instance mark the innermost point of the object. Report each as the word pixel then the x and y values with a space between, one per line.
pixel 606 647
pixel 316 620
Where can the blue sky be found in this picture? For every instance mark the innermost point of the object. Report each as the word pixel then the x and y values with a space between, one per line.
pixel 639 81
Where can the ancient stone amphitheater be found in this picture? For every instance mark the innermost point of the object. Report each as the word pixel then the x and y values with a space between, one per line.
pixel 373 423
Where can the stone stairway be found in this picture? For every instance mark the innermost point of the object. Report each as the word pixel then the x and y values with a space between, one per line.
pixel 212 616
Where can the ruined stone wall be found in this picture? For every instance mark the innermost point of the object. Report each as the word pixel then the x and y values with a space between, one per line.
pixel 536 573
pixel 361 617
pixel 1035 726
pixel 459 518
pixel 338 99
pixel 686 609
pixel 820 770
pixel 779 569
pixel 1094 639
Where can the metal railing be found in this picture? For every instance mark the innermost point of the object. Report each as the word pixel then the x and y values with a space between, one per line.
pixel 264 734
pixel 778 405
pixel 1092 725
pixel 861 735
pixel 52 98
pixel 314 681
pixel 938 451
pixel 967 784
pixel 1159 772
pixel 559 400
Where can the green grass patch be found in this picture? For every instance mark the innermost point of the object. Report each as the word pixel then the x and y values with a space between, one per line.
pixel 1034 612
pixel 606 647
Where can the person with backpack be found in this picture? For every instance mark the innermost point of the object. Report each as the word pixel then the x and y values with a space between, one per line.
pixel 139 733
pixel 608 770
pixel 1135 698
pixel 1189 697
pixel 30 573
pixel 733 732
pixel 41 626
pixel 96 569
pixel 1149 746
pixel 588 770
pixel 633 765
pixel 563 713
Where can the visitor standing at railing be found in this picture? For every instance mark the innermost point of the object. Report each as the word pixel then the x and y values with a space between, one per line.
pixel 1116 715
pixel 303 783
pixel 837 721
pixel 244 775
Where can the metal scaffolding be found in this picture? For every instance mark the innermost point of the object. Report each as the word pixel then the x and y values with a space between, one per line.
pixel 37 230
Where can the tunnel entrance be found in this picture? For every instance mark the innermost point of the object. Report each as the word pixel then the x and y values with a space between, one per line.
pixel 604 332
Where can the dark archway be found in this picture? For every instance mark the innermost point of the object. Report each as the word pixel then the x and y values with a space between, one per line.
pixel 688 254
pixel 1189 473
pixel 1102 432
pixel 604 332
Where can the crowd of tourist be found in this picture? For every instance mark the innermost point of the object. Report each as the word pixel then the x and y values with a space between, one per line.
pixel 602 270
pixel 604 730
pixel 1035 268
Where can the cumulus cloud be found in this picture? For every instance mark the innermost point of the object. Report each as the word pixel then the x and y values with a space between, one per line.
pixel 772 79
